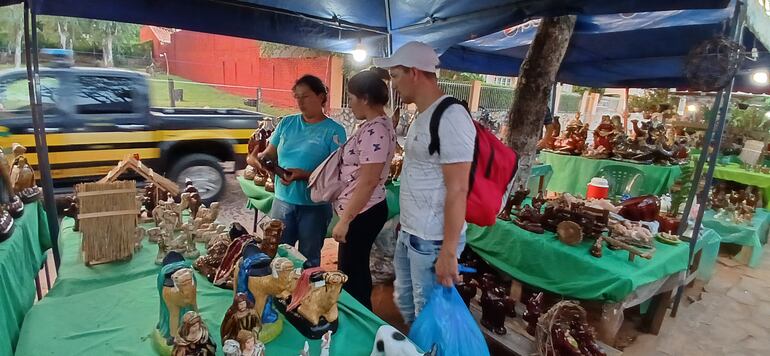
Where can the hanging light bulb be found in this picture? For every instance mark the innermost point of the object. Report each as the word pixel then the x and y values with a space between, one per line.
pixel 359 53
pixel 760 77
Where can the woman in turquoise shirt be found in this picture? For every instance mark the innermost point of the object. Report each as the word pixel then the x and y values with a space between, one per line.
pixel 301 142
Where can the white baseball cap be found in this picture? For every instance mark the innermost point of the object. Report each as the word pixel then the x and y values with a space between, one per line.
pixel 412 54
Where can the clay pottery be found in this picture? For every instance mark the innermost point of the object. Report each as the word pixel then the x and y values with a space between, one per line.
pixel 569 233
pixel 668 224
pixel 642 208
pixel 270 186
pixel 249 173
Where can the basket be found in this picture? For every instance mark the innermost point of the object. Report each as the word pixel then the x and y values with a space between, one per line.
pixel 562 313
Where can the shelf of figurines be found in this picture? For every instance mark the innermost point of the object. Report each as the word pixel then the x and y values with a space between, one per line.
pixel 733 206
pixel 650 143
pixel 633 225
pixel 524 320
pixel 18 188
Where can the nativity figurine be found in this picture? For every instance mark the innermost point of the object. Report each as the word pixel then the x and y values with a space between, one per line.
pixel 240 317
pixel 495 306
pixel 313 308
pixel 177 293
pixel 193 338
pixel 552 132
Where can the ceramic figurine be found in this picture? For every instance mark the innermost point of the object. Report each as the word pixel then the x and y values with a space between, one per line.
pixel 538 201
pixel 604 135
pixel 467 289
pixel 71 211
pixel 206 216
pixel 177 292
pixel 193 338
pixel 261 180
pixel 533 312
pixel 269 185
pixel 195 204
pixel 313 309
pixel 248 344
pixel 224 272
pixel 572 140
pixel 495 306
pixel 264 281
pixel 15 207
pixel 529 219
pixel 22 175
pixel 231 348
pixel 596 248
pixel 271 236
pixel 396 164
pixel 249 173
pixel 189 187
pixel 207 265
pixel 6 225
pixel 551 134
pixel 240 317
pixel 505 214
pixel 519 196
pixel 585 338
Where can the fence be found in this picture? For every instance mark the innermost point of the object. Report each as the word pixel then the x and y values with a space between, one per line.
pixel 460 91
pixel 495 98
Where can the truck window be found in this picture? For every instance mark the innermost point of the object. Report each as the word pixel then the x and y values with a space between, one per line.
pixel 105 95
pixel 14 95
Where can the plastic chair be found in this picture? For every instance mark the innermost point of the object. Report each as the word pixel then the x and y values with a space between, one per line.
pixel 622 180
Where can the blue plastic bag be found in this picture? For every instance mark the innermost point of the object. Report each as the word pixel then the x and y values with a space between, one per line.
pixel 446 322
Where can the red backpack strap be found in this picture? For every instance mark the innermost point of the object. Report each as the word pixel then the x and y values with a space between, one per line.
pixel 435 145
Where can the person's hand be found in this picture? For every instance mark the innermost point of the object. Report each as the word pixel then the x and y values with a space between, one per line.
pixel 340 231
pixel 446 268
pixel 294 174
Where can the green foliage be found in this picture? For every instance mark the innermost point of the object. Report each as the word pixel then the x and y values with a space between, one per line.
pixel 651 100
pixel 453 76
pixel 569 103
pixel 753 122
pixel 580 90
pixel 681 189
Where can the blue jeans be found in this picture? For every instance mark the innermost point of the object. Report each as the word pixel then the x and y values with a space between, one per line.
pixel 306 224
pixel 415 277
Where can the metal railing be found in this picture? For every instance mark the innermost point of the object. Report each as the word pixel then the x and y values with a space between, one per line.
pixel 458 90
pixel 496 98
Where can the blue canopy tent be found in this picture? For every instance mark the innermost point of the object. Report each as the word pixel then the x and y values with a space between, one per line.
pixel 338 25
pixel 334 25
pixel 637 50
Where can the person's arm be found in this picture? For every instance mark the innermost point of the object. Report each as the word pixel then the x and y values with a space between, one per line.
pixel 253 158
pixel 368 179
pixel 456 183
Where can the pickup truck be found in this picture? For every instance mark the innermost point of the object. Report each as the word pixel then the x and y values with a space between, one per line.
pixel 95 117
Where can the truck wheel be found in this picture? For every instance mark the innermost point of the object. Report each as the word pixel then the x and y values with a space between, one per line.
pixel 205 172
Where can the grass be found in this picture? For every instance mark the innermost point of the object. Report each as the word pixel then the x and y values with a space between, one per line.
pixel 203 95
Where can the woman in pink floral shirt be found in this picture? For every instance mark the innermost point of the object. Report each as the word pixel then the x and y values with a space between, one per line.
pixel 365 163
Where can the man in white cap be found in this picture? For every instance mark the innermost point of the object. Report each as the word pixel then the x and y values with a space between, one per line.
pixel 434 187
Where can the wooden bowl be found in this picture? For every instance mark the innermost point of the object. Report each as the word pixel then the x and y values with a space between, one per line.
pixel 569 233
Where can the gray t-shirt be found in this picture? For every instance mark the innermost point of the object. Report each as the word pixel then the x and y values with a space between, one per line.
pixel 423 192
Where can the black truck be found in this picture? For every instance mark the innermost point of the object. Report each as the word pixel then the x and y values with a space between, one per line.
pixel 96 117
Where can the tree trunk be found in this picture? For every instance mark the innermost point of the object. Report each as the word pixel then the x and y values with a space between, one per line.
pixel 62 34
pixel 107 51
pixel 537 75
pixel 17 50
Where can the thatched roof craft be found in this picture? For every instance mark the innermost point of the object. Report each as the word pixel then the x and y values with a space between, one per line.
pixel 137 166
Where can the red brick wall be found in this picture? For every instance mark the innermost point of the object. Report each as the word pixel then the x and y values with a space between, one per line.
pixel 235 62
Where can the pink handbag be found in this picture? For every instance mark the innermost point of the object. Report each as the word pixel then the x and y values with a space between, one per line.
pixel 325 183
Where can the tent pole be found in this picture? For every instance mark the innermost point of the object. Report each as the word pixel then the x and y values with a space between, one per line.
pixel 41 146
pixel 718 131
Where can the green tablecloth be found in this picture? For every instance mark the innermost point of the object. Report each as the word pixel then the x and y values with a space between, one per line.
pixel 572 173
pixel 753 236
pixel 262 200
pixel 111 309
pixel 733 172
pixel 258 197
pixel 709 244
pixel 20 259
pixel 541 260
